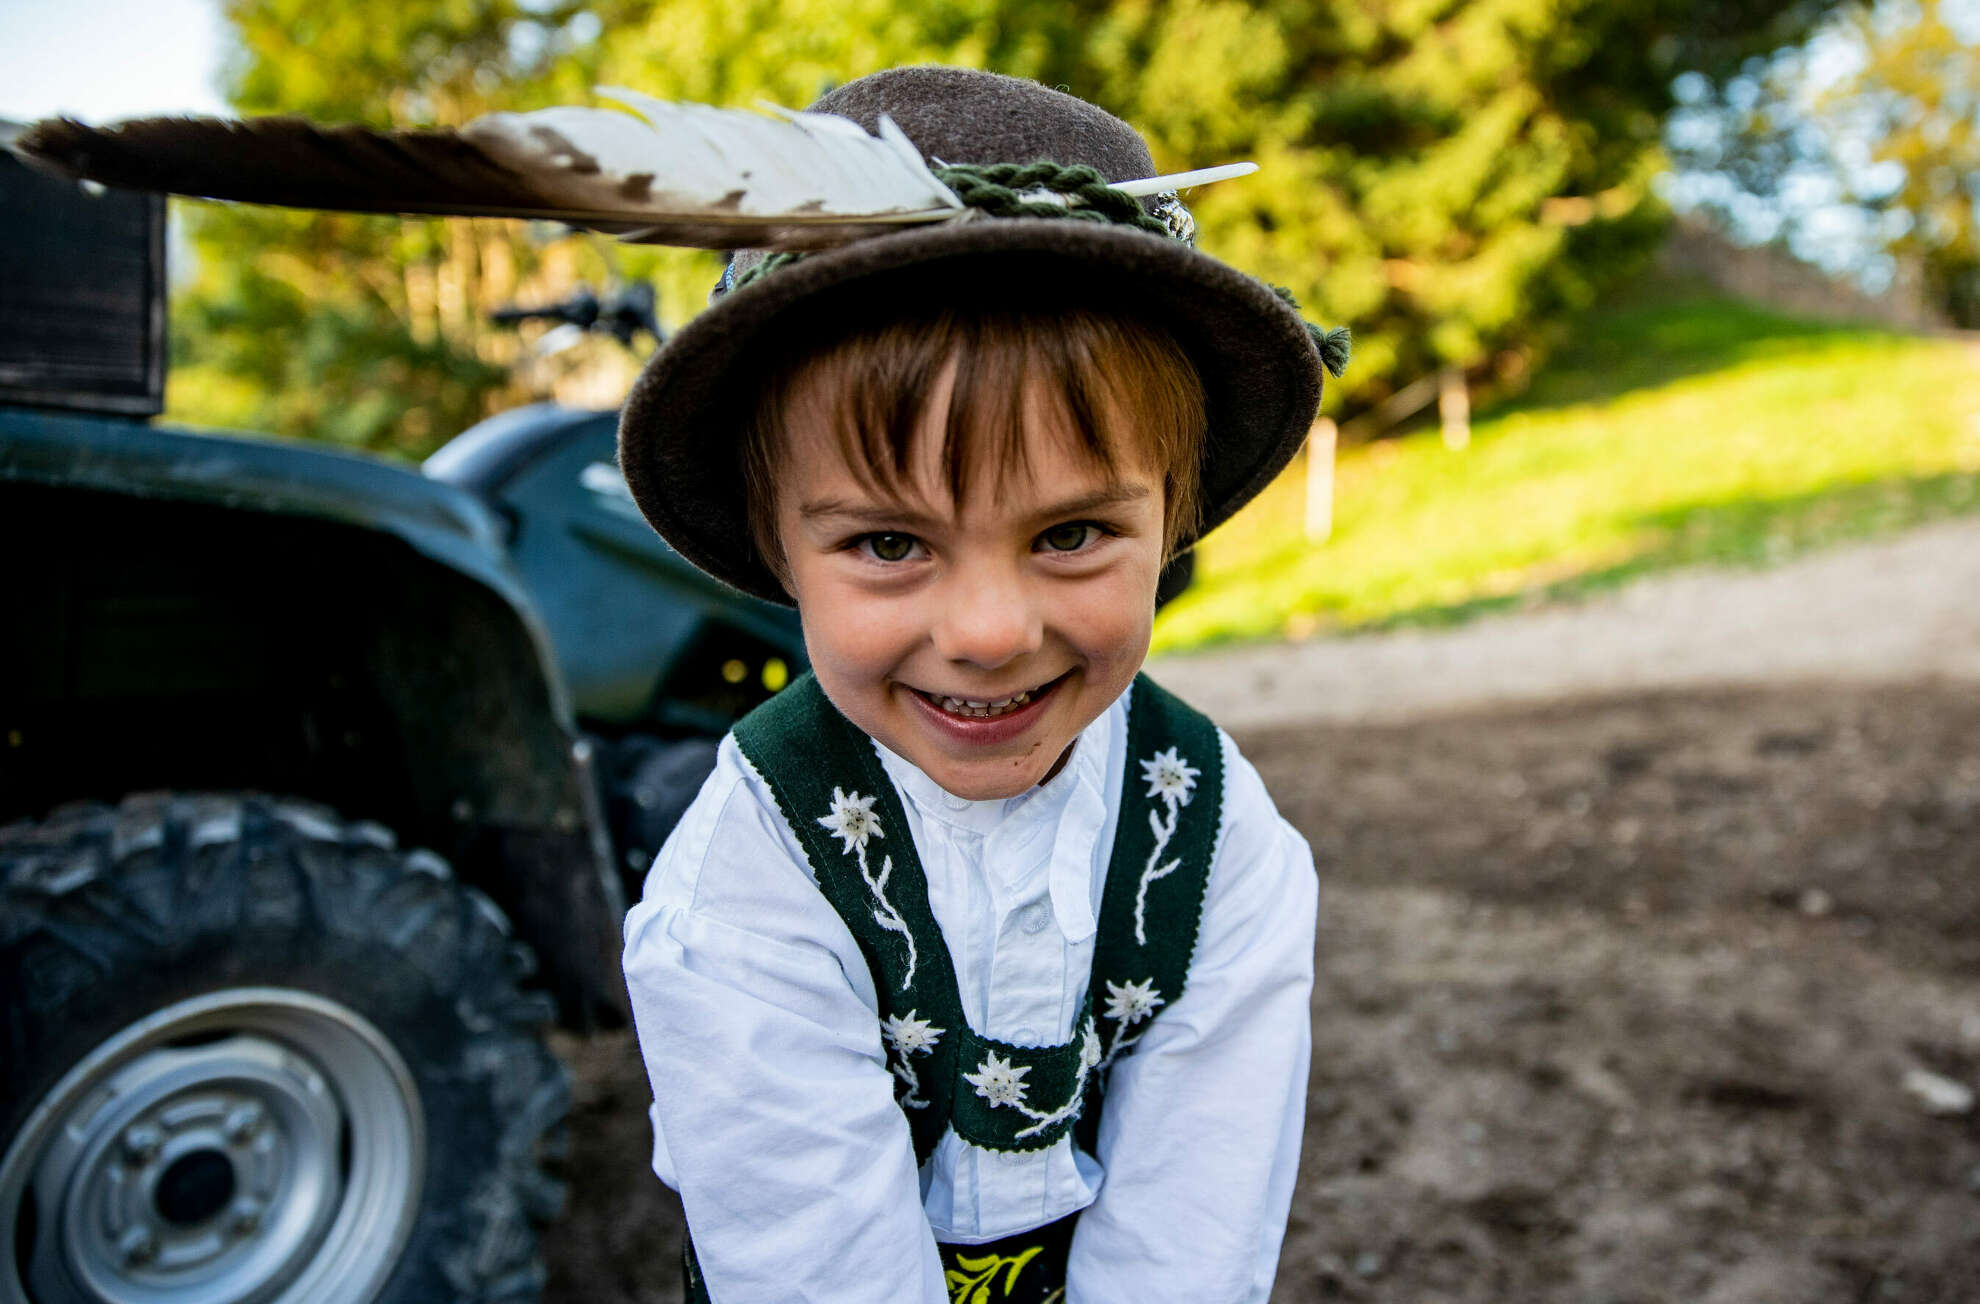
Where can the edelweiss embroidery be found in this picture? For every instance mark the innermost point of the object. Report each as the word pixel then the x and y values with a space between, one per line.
pixel 908 1035
pixel 852 821
pixel 1000 1082
pixel 1130 1003
pixel 1172 778
pixel 1127 1004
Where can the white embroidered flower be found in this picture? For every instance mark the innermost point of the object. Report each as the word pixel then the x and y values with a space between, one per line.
pixel 1169 776
pixel 852 820
pixel 999 1081
pixel 1089 1047
pixel 909 1035
pixel 1130 1003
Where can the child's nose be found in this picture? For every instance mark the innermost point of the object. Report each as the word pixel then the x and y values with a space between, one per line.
pixel 988 618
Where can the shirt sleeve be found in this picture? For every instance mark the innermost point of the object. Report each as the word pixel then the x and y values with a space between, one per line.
pixel 774 1113
pixel 1201 1128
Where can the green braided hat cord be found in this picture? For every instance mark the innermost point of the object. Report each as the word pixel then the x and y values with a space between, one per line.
pixel 1001 190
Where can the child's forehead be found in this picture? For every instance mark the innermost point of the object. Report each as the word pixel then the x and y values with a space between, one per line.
pixel 1051 463
pixel 990 438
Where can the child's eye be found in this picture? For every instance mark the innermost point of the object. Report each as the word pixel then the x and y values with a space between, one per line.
pixel 1070 537
pixel 888 547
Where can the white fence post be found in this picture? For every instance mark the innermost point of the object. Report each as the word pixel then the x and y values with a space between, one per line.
pixel 1454 407
pixel 1320 480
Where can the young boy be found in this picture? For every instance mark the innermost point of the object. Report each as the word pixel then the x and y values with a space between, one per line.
pixel 980 967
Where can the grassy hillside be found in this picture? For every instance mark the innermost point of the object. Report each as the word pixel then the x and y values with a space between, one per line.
pixel 1678 429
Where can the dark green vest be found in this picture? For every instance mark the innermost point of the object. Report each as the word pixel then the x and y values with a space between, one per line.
pixel 831 790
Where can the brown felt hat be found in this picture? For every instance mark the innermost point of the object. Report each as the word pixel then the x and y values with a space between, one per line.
pixel 680 436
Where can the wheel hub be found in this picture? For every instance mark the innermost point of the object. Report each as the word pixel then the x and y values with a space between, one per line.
pixel 253 1145
pixel 194 1188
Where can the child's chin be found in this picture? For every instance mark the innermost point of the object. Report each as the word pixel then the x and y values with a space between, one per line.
pixel 989 778
pixel 995 784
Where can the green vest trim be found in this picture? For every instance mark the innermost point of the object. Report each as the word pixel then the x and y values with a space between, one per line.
pixel 1171 821
pixel 831 789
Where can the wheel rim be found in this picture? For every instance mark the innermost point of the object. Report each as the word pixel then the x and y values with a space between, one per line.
pixel 253 1145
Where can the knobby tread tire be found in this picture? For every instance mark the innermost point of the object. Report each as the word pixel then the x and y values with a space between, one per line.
pixel 110 911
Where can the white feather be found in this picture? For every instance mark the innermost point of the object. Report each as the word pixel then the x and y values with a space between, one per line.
pixel 683 174
pixel 687 158
pixel 909 155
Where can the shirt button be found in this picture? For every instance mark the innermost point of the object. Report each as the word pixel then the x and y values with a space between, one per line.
pixel 1034 917
pixel 954 802
pixel 1024 1036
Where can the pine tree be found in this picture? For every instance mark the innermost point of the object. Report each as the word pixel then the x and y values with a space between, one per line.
pixel 1450 178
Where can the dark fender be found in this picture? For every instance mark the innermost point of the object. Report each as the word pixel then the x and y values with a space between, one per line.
pixel 202 613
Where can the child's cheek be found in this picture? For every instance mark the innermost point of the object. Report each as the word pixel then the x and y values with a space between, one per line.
pixel 858 638
pixel 1110 619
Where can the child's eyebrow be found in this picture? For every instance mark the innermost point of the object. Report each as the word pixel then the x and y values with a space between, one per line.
pixel 1117 495
pixel 871 513
pixel 888 513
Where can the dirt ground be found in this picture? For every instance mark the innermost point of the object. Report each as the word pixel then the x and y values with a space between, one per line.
pixel 1620 1000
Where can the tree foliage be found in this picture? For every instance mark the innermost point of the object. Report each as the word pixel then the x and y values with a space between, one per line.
pixel 1448 177
pixel 1857 148
pixel 367 331
pixel 1917 96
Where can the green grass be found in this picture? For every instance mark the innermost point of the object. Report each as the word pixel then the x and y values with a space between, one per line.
pixel 1677 430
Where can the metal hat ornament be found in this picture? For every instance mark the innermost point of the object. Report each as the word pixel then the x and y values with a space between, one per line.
pixel 930 183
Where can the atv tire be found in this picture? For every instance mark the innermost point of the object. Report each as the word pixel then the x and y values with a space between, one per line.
pixel 253 1051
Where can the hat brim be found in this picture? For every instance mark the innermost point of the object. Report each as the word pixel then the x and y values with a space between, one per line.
pixel 681 430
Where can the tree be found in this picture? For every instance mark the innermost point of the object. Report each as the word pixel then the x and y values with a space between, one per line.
pixel 1917 96
pixel 1857 147
pixel 1448 177
pixel 366 331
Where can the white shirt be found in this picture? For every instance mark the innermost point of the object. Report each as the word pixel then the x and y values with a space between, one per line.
pixel 774 1113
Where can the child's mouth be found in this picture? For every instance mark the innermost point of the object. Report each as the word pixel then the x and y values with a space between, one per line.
pixel 965 708
pixel 980 710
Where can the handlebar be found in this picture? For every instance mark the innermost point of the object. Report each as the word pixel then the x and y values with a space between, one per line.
pixel 625 314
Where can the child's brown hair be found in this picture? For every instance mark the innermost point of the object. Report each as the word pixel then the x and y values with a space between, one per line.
pixel 1123 386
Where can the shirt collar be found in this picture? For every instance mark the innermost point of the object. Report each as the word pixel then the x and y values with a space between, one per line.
pixel 1071 808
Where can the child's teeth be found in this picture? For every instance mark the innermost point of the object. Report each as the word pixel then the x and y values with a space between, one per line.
pixel 966 706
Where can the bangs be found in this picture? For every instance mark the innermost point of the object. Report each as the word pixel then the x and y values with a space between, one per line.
pixel 1114 389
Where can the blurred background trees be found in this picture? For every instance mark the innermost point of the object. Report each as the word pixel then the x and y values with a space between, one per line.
pixel 1858 148
pixel 1449 177
pixel 1916 95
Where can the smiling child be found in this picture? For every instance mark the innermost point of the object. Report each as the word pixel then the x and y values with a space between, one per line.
pixel 980 967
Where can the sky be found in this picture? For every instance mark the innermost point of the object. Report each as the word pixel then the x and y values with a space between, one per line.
pixel 105 59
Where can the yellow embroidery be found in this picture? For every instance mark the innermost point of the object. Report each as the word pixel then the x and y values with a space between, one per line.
pixel 977 1277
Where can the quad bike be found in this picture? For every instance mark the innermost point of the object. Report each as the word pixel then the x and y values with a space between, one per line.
pixel 323 787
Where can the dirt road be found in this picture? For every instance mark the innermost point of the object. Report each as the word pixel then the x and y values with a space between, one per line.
pixel 1648 955
pixel 1897 610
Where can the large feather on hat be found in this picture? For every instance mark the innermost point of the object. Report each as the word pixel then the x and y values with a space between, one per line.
pixel 680 174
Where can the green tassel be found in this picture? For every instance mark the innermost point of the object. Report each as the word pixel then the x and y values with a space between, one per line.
pixel 1335 345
